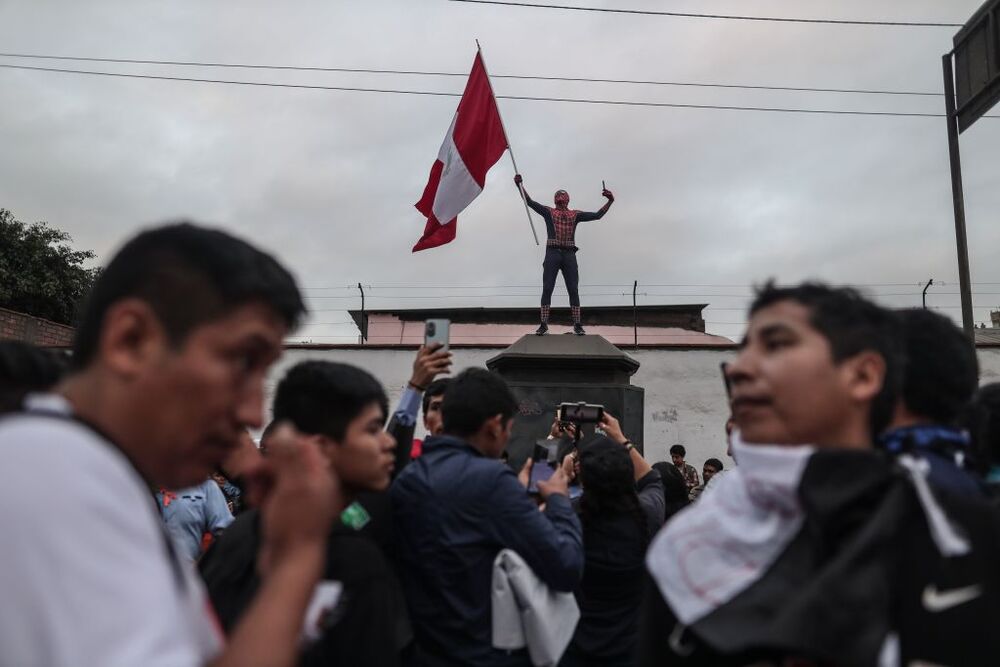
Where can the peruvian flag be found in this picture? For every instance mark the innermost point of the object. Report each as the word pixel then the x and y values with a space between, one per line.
pixel 474 143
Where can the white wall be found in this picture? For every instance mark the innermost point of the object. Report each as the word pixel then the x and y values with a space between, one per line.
pixel 685 399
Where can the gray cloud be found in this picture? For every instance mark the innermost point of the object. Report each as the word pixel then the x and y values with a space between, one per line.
pixel 328 179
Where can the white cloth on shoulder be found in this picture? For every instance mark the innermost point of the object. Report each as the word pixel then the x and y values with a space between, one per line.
pixel 526 612
pixel 714 549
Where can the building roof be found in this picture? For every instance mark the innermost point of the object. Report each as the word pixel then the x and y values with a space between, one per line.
pixel 684 316
pixel 989 337
pixel 680 325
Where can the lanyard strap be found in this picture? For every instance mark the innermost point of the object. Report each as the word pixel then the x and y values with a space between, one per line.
pixel 52 412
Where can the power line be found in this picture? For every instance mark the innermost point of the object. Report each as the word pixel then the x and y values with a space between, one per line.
pixel 673 105
pixel 525 77
pixel 629 284
pixel 731 17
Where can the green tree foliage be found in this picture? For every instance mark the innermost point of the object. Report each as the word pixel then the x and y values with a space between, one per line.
pixel 40 274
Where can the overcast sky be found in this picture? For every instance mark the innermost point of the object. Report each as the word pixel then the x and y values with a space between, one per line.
pixel 718 200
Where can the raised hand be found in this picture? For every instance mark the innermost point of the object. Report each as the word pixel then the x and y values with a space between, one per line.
pixel 612 428
pixel 607 193
pixel 302 500
pixel 430 362
pixel 555 484
pixel 517 179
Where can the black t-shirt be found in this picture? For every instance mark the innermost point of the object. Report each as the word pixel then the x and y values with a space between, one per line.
pixel 364 626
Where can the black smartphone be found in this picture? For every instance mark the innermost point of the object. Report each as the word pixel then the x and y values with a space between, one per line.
pixel 543 464
pixel 581 413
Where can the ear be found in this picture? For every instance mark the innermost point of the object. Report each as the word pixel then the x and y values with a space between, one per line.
pixel 131 337
pixel 328 447
pixel 865 375
pixel 495 426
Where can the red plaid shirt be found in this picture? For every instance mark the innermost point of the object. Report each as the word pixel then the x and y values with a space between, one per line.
pixel 561 224
pixel 564 228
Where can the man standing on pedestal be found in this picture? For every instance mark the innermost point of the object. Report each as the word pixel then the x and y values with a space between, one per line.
pixel 560 250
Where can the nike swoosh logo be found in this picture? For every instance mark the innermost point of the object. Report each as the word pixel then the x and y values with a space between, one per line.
pixel 935 600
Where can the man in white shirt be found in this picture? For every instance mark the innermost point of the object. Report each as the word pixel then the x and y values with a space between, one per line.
pixel 169 362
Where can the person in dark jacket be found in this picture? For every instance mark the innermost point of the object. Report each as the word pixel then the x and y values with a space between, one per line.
pixel 344 409
pixel 675 490
pixel 620 514
pixel 818 549
pixel 455 508
pixel 940 376
pixel 981 419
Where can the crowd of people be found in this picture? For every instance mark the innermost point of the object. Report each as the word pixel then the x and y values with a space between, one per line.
pixel 858 526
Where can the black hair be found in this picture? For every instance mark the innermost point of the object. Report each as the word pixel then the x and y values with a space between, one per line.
pixel 981 419
pixel 188 275
pixel 679 450
pixel 436 388
pixel 851 324
pixel 715 464
pixel 323 397
pixel 474 396
pixel 25 368
pixel 608 478
pixel 676 494
pixel 941 371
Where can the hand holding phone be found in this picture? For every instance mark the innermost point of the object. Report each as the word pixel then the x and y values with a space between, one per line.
pixel 580 413
pixel 543 465
pixel 437 331
pixel 556 483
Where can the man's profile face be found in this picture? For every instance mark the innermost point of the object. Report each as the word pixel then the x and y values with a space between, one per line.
pixel 364 459
pixel 198 399
pixel 707 472
pixel 678 459
pixel 786 388
pixel 562 199
pixel 432 416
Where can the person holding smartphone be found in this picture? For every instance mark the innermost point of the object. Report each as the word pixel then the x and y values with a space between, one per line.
pixel 621 508
pixel 456 507
pixel 560 249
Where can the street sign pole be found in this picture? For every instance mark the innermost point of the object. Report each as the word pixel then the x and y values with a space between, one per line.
pixel 958 200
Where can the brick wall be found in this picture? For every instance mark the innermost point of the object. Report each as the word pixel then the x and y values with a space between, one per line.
pixel 19 326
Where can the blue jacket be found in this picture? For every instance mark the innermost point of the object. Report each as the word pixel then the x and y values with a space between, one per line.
pixel 453 511
pixel 944 448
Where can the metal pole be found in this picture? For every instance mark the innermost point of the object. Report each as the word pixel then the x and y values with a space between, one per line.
pixel 958 198
pixel 924 295
pixel 635 315
pixel 510 150
pixel 364 318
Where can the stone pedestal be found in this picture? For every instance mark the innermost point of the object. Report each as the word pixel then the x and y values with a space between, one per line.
pixel 544 371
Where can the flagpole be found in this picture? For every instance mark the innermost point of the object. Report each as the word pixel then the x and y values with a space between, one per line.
pixel 510 150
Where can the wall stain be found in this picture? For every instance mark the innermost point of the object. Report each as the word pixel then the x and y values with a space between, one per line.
pixel 529 407
pixel 669 415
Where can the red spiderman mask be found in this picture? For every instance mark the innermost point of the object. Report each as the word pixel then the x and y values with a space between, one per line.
pixel 562 199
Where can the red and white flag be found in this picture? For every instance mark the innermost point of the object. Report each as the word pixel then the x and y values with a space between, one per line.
pixel 474 143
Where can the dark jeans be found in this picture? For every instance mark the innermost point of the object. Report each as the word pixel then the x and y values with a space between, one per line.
pixel 556 260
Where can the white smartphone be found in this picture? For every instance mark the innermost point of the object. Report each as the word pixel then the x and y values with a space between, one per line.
pixel 436 331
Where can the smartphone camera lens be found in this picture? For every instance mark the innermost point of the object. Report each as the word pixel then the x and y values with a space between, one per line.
pixel 430 329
